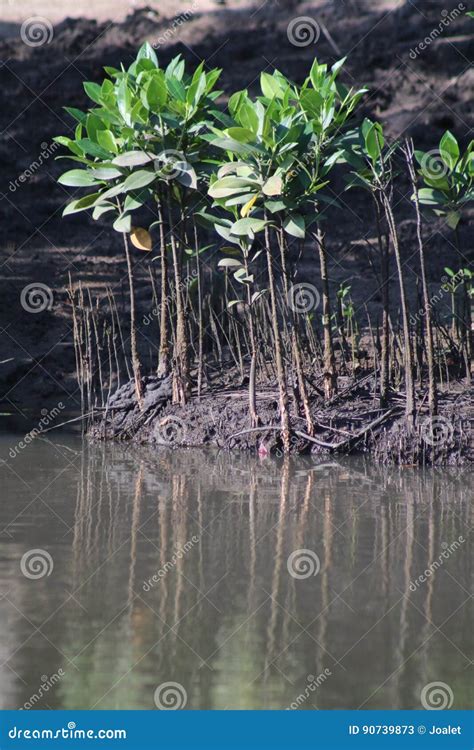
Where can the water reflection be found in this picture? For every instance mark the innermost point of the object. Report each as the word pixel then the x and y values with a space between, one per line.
pixel 174 567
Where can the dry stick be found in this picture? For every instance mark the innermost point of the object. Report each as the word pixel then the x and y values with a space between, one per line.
pixel 181 375
pixel 295 342
pixel 122 341
pixel 114 335
pixel 164 352
pixel 384 286
pixel 284 415
pixel 330 376
pixel 200 314
pixel 254 419
pixel 432 391
pixel 77 349
pixel 133 326
pixel 466 321
pixel 408 356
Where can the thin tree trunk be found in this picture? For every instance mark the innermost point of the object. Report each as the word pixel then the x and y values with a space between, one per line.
pixel 408 355
pixel 164 352
pixel 385 341
pixel 133 330
pixel 330 377
pixel 284 414
pixel 181 370
pixel 432 391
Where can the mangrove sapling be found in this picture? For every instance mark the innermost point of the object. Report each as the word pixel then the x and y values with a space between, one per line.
pixel 326 105
pixel 432 391
pixel 138 147
pixel 449 180
pixel 371 171
pixel 376 174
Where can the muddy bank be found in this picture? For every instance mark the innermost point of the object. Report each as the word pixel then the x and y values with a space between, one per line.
pixel 351 424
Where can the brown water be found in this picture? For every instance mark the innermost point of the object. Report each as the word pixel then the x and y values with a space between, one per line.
pixel 231 615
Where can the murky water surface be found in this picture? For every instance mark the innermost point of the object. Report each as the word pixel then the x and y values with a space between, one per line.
pixel 249 583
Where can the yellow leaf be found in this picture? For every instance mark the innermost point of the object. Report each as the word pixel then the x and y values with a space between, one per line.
pixel 141 238
pixel 246 209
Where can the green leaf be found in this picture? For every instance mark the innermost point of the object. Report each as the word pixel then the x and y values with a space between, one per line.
pixel 294 225
pixel 106 173
pixel 124 100
pixel 102 209
pixel 146 52
pixel 229 263
pixel 449 150
pixel 273 186
pixel 81 205
pixel 232 186
pixel 139 179
pixel 123 223
pixel 106 139
pixel 374 141
pixel 453 218
pixel 247 226
pixel 270 86
pixel 78 178
pixel 93 91
pixel 132 159
pixel 431 197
